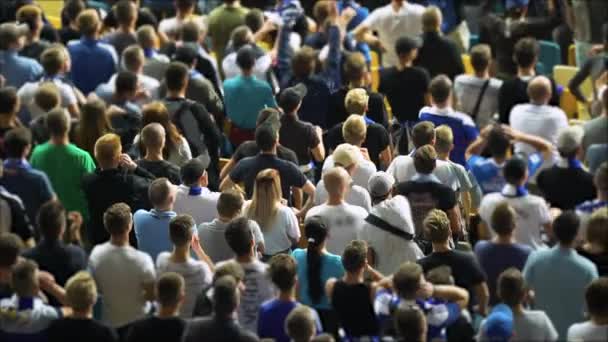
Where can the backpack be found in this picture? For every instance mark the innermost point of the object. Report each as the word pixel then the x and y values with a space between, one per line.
pixel 191 127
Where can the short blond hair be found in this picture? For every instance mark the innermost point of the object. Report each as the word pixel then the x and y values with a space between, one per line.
pixel 335 180
pixel 29 14
pixel 88 22
pixel 107 148
pixel 81 291
pixel 444 139
pixel 300 324
pixel 356 101
pixel 354 130
pixel 47 96
pixel 431 19
pixel 146 37
pixel 437 225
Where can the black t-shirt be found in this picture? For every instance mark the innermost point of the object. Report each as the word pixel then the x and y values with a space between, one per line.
pixel 212 329
pixel 67 34
pixel 34 50
pixel 59 259
pixel 565 188
pixel 355 310
pixel 250 149
pixel 600 261
pixel 247 169
pixel 515 91
pixel 161 168
pixel 376 140
pixel 405 90
pixel 465 269
pixel 337 112
pixel 74 329
pixel 144 17
pixel 298 136
pixel 157 329
pixel 439 55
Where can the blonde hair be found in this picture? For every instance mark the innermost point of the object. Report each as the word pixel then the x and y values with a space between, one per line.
pixel 47 96
pixel 266 198
pixel 437 225
pixel 354 130
pixel 356 101
pixel 107 148
pixel 431 19
pixel 300 324
pixel 88 22
pixel 81 291
pixel 444 139
pixel 146 37
pixel 597 229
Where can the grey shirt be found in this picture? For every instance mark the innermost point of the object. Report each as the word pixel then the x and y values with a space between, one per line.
pixel 467 89
pixel 211 235
pixel 596 131
pixel 120 40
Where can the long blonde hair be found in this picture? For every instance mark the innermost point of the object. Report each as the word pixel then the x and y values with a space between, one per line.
pixel 266 198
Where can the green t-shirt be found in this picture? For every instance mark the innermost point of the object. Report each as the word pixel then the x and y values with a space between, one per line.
pixel 65 166
pixel 222 21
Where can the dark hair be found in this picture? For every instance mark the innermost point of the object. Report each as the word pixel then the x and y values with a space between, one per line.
pixel 229 203
pixel 245 58
pixel 176 76
pixel 254 19
pixel 238 235
pixel 169 288
pixel 354 256
pixel 498 142
pixel 185 5
pixel 440 88
pixel 126 82
pixel 240 37
pixel 565 227
pixel 515 170
pixel 117 218
pixel 159 191
pixel 303 62
pixel 10 248
pixel 596 297
pixel 8 99
pixel 481 55
pixel 125 11
pixel 51 219
pixel 180 229
pixel 16 141
pixel 406 280
pixel 510 286
pixel 190 31
pixel 225 296
pixel 265 138
pixel 503 219
pixel 283 271
pixel 425 159
pixel 354 67
pixel 93 124
pixel 410 322
pixel 57 122
pixel 186 54
pixel 525 52
pixel 316 233
pixel 72 9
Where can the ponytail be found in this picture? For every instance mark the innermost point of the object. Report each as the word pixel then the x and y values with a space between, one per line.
pixel 316 233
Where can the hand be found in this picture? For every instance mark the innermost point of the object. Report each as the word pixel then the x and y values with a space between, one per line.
pixel 347 15
pixel 196 244
pixel 268 26
pixel 511 133
pixel 485 132
pixel 74 228
pixel 114 110
pixel 365 153
pixel 127 162
pixel 46 280
pixel 319 131
pixel 426 290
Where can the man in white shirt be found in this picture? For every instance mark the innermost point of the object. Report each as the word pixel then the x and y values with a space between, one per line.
pixel 596 328
pixel 193 197
pixel 538 117
pixel 184 12
pixel 346 156
pixel 124 275
pixel 343 220
pixel 392 21
pixel 533 216
pixel 242 36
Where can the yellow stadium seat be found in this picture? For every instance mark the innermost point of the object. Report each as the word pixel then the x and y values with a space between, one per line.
pixel 375 70
pixel 571 55
pixel 468 67
pixel 562 74
pixel 568 104
pixel 54 21
pixel 223 162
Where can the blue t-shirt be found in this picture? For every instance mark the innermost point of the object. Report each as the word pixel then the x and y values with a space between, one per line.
pixel 271 319
pixel 152 231
pixel 489 174
pixel 331 267
pixel 93 63
pixel 245 97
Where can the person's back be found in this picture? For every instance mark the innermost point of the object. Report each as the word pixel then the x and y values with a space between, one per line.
pixel 245 95
pixel 214 329
pixel 345 222
pixel 222 21
pixel 544 121
pixel 16 70
pixel 595 328
pixel 194 198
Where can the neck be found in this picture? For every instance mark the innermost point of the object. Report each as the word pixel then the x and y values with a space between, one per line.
pixel 247 258
pixel 441 105
pixel 247 73
pixel 504 239
pixel 518 309
pixel 499 159
pixel 599 320
pixel 441 247
pixel 566 246
pixel 127 28
pixel 185 14
pixel 354 277
pixel 272 151
pixel 180 94
pixel 602 196
pixel 60 140
pixel 335 199
pixel 167 207
pixel 443 156
pixel 225 219
pixel 397 5
pixel 406 63
pixel 120 240
pixel 287 296
pixel 523 72
pixel 86 314
pixel 483 74
pixel 33 37
pixel 181 253
pixel 167 312
pixel 7 120
pixel 92 37
pixel 153 155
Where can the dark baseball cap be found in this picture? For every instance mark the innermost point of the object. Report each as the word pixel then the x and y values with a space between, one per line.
pixel 291 97
pixel 192 171
pixel 406 44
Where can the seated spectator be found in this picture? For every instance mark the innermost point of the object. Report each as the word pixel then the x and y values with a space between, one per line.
pixel 242 36
pixel 16 70
pixel 595 129
pixel 171 291
pixel 14 217
pixel 467 272
pixel 354 132
pixel 30 320
pixel 124 275
pixel 538 117
pixel 155 63
pixel 277 221
pixel 258 288
pixel 184 12
pixel 151 226
pixel 92 125
pixel 584 210
pixel 440 304
pixel 438 55
pixel 405 104
pixel 91 54
pixel 193 197
pixel 55 62
pixel 222 326
pixel 425 193
pixel 595 327
pixel 575 274
pixel 81 295
pixel 441 113
pixel 197 273
pixel 30 185
pixel 69 30
pixel 533 219
pixel 346 156
pixel 502 252
pixel 152 141
pixel 10 105
pixel 315 267
pixel 118 179
pixel 477 94
pixel 351 297
pixel 125 13
pixel 300 324
pixel 595 247
pixel 498 140
pixel 579 187
pixel 388 229
pixel 514 91
pixel 211 234
pixel 64 163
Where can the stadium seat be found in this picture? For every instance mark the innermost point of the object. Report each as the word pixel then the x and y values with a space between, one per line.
pixel 54 21
pixel 550 56
pixel 567 103
pixel 571 55
pixel 562 74
pixel 468 67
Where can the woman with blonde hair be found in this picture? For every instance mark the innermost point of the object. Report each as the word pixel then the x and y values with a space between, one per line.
pixel 176 151
pixel 93 124
pixel 278 222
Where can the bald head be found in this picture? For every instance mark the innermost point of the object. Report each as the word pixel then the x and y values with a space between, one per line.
pixel 336 181
pixel 539 90
pixel 153 136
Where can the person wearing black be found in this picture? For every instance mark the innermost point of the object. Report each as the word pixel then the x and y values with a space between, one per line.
pixel 438 55
pixel 69 28
pixel 466 270
pixel 153 139
pixel 165 325
pixel 52 254
pixel 14 214
pixel 405 85
pixel 31 16
pixel 117 179
pixel 144 17
pixel 193 120
pixel 125 115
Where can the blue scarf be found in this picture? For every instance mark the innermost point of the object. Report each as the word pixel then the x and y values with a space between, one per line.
pixel 571 163
pixel 195 191
pixel 25 303
pixel 16 164
pixel 511 191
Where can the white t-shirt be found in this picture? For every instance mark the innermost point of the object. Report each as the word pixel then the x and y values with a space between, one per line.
pixel 106 90
pixel 27 93
pixel 211 235
pixel 26 321
pixel 344 222
pixel 531 325
pixel 587 332
pixel 543 121
pixel 402 169
pixel 261 66
pixel 391 25
pixel 203 207
pixel 178 156
pixel 197 276
pixel 467 89
pixel 356 196
pixel 364 171
pixel 532 212
pixel 283 229
pixel 120 274
pixel 171 26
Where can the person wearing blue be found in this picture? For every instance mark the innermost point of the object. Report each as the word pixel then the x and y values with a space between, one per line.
pixel 442 113
pixel 245 96
pixel 152 227
pixel 442 304
pixel 498 140
pixel 17 70
pixel 498 326
pixel 93 62
pixel 559 276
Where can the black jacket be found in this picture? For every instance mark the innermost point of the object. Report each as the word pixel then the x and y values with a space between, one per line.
pixel 439 55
